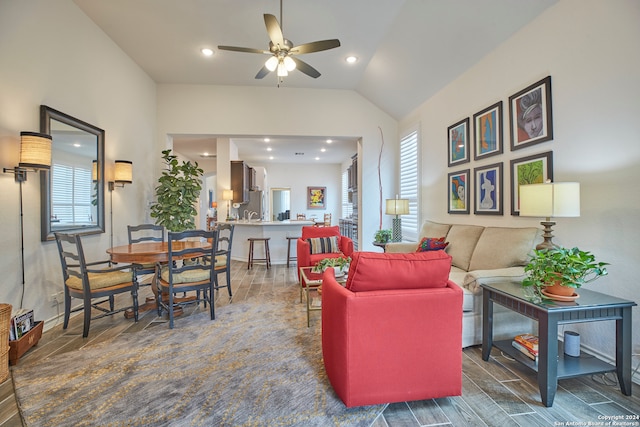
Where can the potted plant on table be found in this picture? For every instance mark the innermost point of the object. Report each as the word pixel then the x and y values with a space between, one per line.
pixel 340 264
pixel 560 271
pixel 177 192
pixel 382 236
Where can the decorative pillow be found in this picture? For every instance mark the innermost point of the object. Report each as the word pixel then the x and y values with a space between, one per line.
pixel 324 245
pixel 431 244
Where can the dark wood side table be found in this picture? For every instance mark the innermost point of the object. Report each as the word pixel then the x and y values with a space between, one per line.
pixel 552 363
pixel 381 245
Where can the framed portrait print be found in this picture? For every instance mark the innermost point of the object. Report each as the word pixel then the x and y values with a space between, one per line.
pixel 458 192
pixel 534 169
pixel 488 190
pixel 458 140
pixel 530 115
pixel 316 197
pixel 487 132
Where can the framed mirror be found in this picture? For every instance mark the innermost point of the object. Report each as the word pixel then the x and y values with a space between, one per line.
pixel 72 191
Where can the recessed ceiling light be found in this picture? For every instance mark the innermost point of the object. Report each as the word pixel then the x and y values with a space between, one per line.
pixel 329 141
pixel 267 140
pixel 323 149
pixel 269 148
pixel 77 144
pixel 351 59
pixel 206 51
pixel 270 157
pixel 317 158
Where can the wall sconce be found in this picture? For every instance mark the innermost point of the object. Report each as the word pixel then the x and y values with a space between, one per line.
pixel 397 207
pixel 122 174
pixel 35 154
pixel 228 196
pixel 551 199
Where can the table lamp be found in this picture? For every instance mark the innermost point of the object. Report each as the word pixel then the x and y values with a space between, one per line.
pixel 397 207
pixel 551 199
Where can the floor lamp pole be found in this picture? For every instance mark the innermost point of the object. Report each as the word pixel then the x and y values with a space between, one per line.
pixel 21 242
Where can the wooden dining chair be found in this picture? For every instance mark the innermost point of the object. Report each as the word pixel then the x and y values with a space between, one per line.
pixel 145 233
pixel 83 280
pixel 223 254
pixel 187 270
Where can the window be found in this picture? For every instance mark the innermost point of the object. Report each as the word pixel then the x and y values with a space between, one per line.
pixel 71 197
pixel 347 206
pixel 409 184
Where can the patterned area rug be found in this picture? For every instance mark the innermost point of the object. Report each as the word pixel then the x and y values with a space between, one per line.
pixel 257 364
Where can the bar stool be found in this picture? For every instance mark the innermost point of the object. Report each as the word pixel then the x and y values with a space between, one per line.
pixel 267 255
pixel 289 257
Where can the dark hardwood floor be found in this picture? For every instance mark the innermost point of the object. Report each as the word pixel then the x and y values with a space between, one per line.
pixel 500 392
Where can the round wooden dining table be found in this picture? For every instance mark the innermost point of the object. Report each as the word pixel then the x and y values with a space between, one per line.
pixel 149 253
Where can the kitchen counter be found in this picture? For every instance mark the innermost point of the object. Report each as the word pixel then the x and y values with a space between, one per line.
pixel 278 231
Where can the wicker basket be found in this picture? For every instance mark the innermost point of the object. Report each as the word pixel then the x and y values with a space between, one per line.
pixel 5 324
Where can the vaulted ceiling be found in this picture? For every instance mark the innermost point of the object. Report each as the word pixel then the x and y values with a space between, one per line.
pixel 407 50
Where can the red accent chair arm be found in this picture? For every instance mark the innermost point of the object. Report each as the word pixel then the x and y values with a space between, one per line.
pixel 346 245
pixel 303 252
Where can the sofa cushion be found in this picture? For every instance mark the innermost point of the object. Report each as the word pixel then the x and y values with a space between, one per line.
pixel 324 245
pixel 372 271
pixel 434 229
pixel 502 247
pixel 431 244
pixel 462 242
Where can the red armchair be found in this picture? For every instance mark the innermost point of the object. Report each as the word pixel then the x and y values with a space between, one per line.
pixel 394 332
pixel 306 258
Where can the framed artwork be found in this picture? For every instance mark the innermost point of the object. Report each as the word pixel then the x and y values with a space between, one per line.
pixel 534 169
pixel 530 115
pixel 458 192
pixel 488 190
pixel 316 197
pixel 487 125
pixel 458 140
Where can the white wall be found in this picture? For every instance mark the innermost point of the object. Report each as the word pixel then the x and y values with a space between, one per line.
pixel 259 111
pixel 590 50
pixel 62 59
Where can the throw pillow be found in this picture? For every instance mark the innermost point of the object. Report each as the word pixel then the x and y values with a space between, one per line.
pixel 324 245
pixel 431 244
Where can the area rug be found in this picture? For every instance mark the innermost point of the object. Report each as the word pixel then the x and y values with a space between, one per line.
pixel 257 364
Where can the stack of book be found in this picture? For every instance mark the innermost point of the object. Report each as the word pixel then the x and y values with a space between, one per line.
pixel 527 344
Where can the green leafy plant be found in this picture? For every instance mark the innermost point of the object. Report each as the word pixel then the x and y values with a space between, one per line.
pixel 567 267
pixel 339 262
pixel 383 236
pixel 177 193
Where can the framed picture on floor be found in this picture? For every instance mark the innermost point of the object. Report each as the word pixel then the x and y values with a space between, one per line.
pixel 458 141
pixel 488 190
pixel 530 115
pixel 487 125
pixel 535 169
pixel 458 192
pixel 316 197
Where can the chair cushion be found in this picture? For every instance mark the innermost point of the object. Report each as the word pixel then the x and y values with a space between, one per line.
pixel 188 276
pixel 101 280
pixel 311 232
pixel 431 244
pixel 221 261
pixel 324 245
pixel 372 271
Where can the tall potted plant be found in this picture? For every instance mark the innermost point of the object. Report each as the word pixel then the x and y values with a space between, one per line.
pixel 559 271
pixel 177 192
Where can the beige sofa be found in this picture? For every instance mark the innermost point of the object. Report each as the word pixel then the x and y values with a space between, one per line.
pixel 482 255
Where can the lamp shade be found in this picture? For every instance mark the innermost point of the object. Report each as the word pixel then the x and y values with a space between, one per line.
pixel 35 150
pixel 227 194
pixel 553 199
pixel 123 173
pixel 397 206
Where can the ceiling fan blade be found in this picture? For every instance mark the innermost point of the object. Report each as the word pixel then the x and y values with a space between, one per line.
pixel 243 49
pixel 274 30
pixel 263 72
pixel 306 68
pixel 315 46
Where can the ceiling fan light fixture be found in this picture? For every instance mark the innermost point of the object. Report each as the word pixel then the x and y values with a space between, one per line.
pixel 282 70
pixel 272 63
pixel 289 63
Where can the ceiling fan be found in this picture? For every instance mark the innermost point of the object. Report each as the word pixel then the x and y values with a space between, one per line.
pixel 283 51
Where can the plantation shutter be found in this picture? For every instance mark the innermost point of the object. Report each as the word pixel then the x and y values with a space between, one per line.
pixel 409 185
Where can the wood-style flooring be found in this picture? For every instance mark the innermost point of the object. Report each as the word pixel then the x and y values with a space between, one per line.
pixel 500 392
